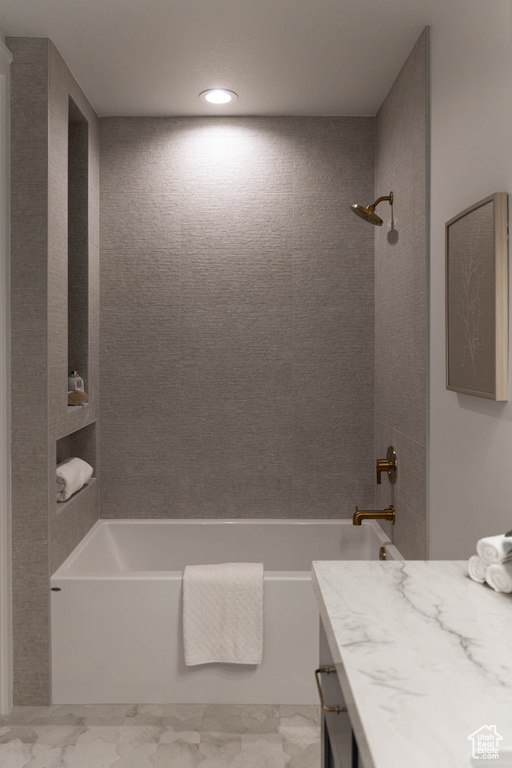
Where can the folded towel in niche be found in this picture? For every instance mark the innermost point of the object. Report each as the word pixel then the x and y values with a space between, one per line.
pixel 494 549
pixel 477 569
pixel 499 576
pixel 223 613
pixel 72 475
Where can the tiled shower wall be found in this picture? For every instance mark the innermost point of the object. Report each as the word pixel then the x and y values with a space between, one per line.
pixel 401 254
pixel 237 317
pixel 43 535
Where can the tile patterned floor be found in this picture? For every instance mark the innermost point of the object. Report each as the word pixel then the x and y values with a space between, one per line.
pixel 161 736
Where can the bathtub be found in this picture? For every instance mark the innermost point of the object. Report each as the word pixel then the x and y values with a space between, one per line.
pixel 116 609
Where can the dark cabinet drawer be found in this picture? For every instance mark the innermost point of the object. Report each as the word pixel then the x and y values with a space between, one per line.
pixel 339 749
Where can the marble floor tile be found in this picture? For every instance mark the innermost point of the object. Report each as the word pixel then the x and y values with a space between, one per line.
pixel 302 757
pixel 97 753
pixel 299 730
pixel 170 735
pixel 179 754
pixel 222 718
pixel 24 733
pixel 310 711
pixel 138 756
pixel 45 756
pixel 161 736
pixel 90 714
pixel 34 715
pixel 104 733
pixel 220 749
pixel 263 750
pixel 186 717
pixel 58 735
pixel 135 735
pixel 260 719
pixel 15 754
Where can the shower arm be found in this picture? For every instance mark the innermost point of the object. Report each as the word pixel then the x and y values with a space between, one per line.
pixel 381 199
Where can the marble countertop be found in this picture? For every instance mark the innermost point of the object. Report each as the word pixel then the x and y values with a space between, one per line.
pixel 424 659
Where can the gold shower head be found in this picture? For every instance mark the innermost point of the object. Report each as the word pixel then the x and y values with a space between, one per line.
pixel 368 213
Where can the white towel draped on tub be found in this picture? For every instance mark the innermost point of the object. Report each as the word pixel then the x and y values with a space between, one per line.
pixel 72 475
pixel 223 613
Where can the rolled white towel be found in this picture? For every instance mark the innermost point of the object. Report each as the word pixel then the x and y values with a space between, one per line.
pixel 499 577
pixel 477 569
pixel 72 475
pixel 494 549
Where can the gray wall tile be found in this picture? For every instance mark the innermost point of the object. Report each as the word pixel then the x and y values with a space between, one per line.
pixel 81 513
pixel 137 222
pixel 242 227
pixel 232 496
pixel 40 88
pixel 236 421
pixel 400 397
pixel 236 155
pixel 141 493
pixel 257 224
pixel 401 297
pixel 140 155
pixel 334 155
pixel 29 369
pixel 410 535
pixel 323 276
pixel 335 495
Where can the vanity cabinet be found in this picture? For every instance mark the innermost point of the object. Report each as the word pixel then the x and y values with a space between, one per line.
pixel 339 747
pixel 422 654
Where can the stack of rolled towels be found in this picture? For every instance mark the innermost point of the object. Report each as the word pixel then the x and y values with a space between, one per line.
pixel 493 563
pixel 72 475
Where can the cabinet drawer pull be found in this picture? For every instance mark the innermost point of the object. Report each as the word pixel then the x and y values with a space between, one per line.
pixel 326 671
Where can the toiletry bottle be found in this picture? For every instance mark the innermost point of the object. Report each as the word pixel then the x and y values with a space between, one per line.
pixel 75 381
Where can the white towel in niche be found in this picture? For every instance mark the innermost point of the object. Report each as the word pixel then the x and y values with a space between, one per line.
pixel 223 613
pixel 72 475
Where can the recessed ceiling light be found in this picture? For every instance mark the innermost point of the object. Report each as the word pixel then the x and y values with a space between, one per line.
pixel 218 96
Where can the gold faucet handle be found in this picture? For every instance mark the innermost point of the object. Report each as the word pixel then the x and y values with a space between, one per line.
pixel 388 465
pixel 383 465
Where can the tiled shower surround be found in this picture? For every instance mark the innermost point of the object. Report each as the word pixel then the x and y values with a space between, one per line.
pixel 401 261
pixel 237 306
pixel 240 305
pixel 43 534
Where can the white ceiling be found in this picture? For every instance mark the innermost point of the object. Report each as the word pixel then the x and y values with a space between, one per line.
pixel 282 57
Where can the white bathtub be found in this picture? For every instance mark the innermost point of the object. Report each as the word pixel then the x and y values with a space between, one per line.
pixel 116 609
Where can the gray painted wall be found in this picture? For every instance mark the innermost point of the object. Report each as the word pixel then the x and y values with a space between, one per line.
pixel 401 165
pixel 237 317
pixel 471 438
pixel 42 534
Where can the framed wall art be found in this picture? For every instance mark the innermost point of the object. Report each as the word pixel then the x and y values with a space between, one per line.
pixel 477 299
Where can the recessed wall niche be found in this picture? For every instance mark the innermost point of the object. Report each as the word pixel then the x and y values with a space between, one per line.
pixel 80 444
pixel 78 242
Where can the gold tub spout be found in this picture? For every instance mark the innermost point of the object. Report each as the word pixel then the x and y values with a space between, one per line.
pixel 374 514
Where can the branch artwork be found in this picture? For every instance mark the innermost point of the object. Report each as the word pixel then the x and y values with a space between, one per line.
pixel 477 299
pixel 468 302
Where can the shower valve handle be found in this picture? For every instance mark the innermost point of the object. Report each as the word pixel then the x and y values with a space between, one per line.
pixel 388 465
